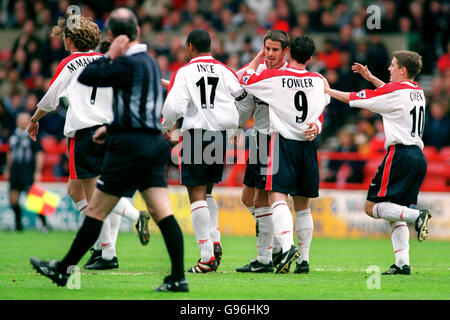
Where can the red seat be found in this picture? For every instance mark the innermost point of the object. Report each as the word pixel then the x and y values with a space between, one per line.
pixel 430 152
pixel 50 144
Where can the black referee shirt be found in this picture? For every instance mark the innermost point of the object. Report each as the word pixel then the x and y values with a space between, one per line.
pixel 136 81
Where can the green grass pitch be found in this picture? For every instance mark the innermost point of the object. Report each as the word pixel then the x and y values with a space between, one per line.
pixel 338 271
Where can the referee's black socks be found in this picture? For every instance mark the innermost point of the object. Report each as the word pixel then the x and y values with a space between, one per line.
pixel 174 242
pixel 85 238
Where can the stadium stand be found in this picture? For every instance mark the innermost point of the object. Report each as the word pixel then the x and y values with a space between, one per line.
pixel 28 59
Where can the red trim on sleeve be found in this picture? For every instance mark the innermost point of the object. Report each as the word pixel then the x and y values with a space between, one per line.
pixel 66 60
pixel 387 88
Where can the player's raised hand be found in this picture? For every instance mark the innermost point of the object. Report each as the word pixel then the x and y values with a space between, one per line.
pixel 100 135
pixel 118 47
pixel 362 70
pixel 33 130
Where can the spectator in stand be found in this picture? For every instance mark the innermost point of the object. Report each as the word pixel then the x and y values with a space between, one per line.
pixel 358 27
pixel 377 142
pixel 53 51
pixel 389 22
pixel 330 56
pixel 328 24
pixel 6 120
pixel 342 171
pixel 378 58
pixel 34 73
pixel 443 63
pixel 303 22
pixel 342 14
pixel 437 125
pixel 315 13
pixel 261 7
pixel 346 42
pixel 413 38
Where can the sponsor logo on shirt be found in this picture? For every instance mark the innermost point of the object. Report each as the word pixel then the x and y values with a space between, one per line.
pixel 361 94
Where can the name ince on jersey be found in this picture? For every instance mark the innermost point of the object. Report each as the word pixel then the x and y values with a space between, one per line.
pixel 80 62
pixel 205 68
pixel 296 83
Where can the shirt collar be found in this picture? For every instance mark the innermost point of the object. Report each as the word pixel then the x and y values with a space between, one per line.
pixel 202 57
pixel 137 48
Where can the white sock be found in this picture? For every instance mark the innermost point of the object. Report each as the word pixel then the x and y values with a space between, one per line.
pixel 214 218
pixel 304 226
pixel 114 221
pixel 126 209
pixel 82 207
pixel 200 217
pixel 400 242
pixel 394 212
pixel 283 224
pixel 252 210
pixel 106 241
pixel 264 238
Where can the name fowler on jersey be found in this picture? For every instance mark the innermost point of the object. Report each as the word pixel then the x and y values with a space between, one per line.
pixel 80 62
pixel 296 83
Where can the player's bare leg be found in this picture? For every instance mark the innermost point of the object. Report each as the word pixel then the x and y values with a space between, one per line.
pixel 200 217
pixel 284 225
pixel 304 226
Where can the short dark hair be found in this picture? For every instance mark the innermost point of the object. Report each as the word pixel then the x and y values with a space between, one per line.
pixel 278 35
pixel 123 25
pixel 412 61
pixel 302 48
pixel 200 39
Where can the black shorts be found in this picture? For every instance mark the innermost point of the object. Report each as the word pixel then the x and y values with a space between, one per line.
pixel 134 160
pixel 202 157
pixel 293 167
pixel 85 156
pixel 20 179
pixel 399 176
pixel 257 161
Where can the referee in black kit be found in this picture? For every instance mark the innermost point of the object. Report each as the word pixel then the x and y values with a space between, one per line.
pixel 137 153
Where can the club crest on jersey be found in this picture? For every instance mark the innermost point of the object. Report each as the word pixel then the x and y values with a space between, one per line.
pixel 245 79
pixel 361 94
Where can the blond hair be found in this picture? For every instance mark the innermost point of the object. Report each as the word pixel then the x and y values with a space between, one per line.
pixel 83 31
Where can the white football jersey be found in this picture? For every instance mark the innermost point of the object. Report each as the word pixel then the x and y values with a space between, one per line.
pixel 88 106
pixel 295 97
pixel 204 93
pixel 402 106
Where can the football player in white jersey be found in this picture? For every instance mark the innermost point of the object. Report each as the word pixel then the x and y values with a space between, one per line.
pixel 254 195
pixel 296 99
pixel 203 93
pixel 89 107
pixel 393 193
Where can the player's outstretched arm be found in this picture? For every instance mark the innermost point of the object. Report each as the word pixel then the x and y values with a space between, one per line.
pixel 338 95
pixel 366 74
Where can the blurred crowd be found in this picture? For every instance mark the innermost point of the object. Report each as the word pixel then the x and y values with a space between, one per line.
pixel 237 28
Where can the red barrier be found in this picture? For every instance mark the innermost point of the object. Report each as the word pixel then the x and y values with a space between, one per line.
pixel 437 179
